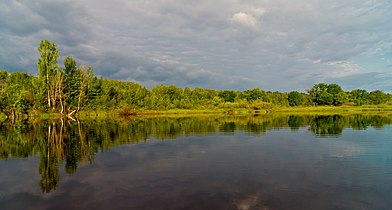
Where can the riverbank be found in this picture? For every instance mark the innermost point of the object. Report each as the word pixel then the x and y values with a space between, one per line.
pixel 126 112
pixel 171 112
pixel 337 109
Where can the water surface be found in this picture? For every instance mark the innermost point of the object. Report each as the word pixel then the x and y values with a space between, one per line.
pixel 253 162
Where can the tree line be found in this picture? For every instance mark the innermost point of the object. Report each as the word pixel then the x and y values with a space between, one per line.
pixel 70 88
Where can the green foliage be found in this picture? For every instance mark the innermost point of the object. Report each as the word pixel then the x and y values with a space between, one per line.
pixel 3 78
pixel 47 63
pixel 227 95
pixel 277 98
pixel 254 94
pixel 378 97
pixel 16 94
pixel 338 95
pixel 323 94
pixel 70 66
pixel 47 69
pixel 295 98
pixel 72 81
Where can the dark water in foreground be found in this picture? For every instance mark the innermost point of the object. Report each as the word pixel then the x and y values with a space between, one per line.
pixel 262 162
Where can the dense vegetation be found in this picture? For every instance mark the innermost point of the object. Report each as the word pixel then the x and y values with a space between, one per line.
pixel 74 87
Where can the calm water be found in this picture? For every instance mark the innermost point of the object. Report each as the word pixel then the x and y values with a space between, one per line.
pixel 261 162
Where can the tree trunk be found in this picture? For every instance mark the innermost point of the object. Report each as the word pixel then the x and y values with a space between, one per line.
pixel 48 88
pixel 60 90
pixel 70 115
pixel 49 99
pixel 79 99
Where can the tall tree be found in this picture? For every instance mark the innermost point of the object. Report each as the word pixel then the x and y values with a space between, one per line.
pixel 319 94
pixel 72 81
pixel 86 76
pixel 59 81
pixel 47 67
pixel 70 66
pixel 338 95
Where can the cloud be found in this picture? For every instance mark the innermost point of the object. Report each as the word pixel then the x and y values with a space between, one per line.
pixel 25 23
pixel 251 18
pixel 343 69
pixel 246 20
pixel 215 44
pixel 368 81
pixel 166 70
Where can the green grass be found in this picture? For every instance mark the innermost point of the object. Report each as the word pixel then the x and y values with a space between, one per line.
pixel 100 113
pixel 336 109
pixel 143 112
pixel 3 117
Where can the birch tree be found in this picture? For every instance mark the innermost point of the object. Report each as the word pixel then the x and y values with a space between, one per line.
pixel 47 68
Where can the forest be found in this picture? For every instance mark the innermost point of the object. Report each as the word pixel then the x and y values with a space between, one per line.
pixel 73 87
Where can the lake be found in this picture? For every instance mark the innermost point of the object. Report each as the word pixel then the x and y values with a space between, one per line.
pixel 204 162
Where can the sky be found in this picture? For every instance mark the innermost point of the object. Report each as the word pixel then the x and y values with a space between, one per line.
pixel 275 45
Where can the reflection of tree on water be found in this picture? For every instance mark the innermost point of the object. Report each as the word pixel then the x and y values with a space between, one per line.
pixel 64 142
pixel 49 161
pixel 77 147
pixel 228 127
pixel 74 142
pixel 296 121
pixel 55 142
pixel 51 152
pixel 327 125
pixel 361 122
pixel 333 125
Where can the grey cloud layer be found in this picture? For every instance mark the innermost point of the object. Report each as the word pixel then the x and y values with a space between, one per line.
pixel 275 45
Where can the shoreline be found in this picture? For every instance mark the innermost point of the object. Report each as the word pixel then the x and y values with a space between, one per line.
pixel 125 112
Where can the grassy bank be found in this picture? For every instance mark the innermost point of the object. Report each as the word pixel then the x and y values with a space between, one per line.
pixel 171 112
pixel 242 111
pixel 88 114
pixel 336 109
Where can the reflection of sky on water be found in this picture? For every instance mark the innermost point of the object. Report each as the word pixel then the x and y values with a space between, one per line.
pixel 375 143
pixel 279 170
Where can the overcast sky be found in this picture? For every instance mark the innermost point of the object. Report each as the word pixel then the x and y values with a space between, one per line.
pixel 276 45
